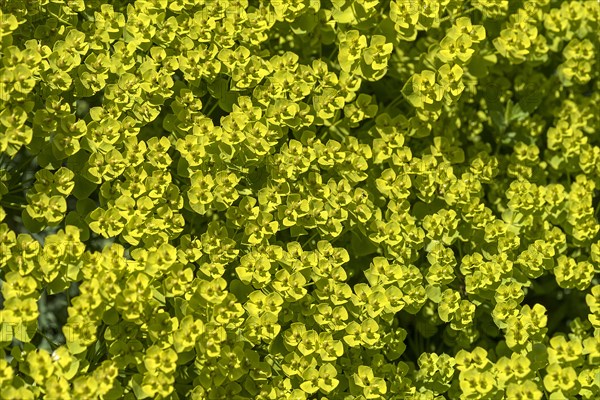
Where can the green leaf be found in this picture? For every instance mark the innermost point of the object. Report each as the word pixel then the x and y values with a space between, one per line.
pixel 531 101
pixel 343 16
pixel 136 385
pixel 227 101
pixel 514 112
pixel 305 23
pixel 219 88
pixel 116 392
pixel 182 168
pixel 434 293
pixel 31 224
pixel 361 245
pixel 81 90
pixel 170 123
pixel 58 285
pixel 240 289
pixel 480 64
pixel 25 332
pixel 498 119
pixel 75 347
pixel 297 231
pixel 538 356
pixel 83 187
pixel 85 206
pixel 111 316
pixel 7 333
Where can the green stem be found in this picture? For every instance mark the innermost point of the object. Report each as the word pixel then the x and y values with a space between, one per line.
pixel 59 18
pixel 54 345
pixel 542 384
pixel 332 54
pixel 337 132
pixel 209 114
pixel 453 17
pixel 397 100
pixel 23 165
pixel 413 344
pixel 421 343
pixel 18 188
pixel 12 205
pixel 310 239
pixel 344 230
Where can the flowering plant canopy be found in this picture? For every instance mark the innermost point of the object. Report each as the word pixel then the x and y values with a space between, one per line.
pixel 299 199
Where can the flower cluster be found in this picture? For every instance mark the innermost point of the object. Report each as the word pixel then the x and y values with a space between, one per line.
pixel 299 199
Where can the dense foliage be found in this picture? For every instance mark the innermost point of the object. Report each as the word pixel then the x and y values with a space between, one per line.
pixel 299 199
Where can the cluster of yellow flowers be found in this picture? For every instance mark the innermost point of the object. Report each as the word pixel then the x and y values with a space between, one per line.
pixel 299 199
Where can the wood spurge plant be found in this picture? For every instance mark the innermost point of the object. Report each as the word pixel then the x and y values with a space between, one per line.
pixel 299 199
